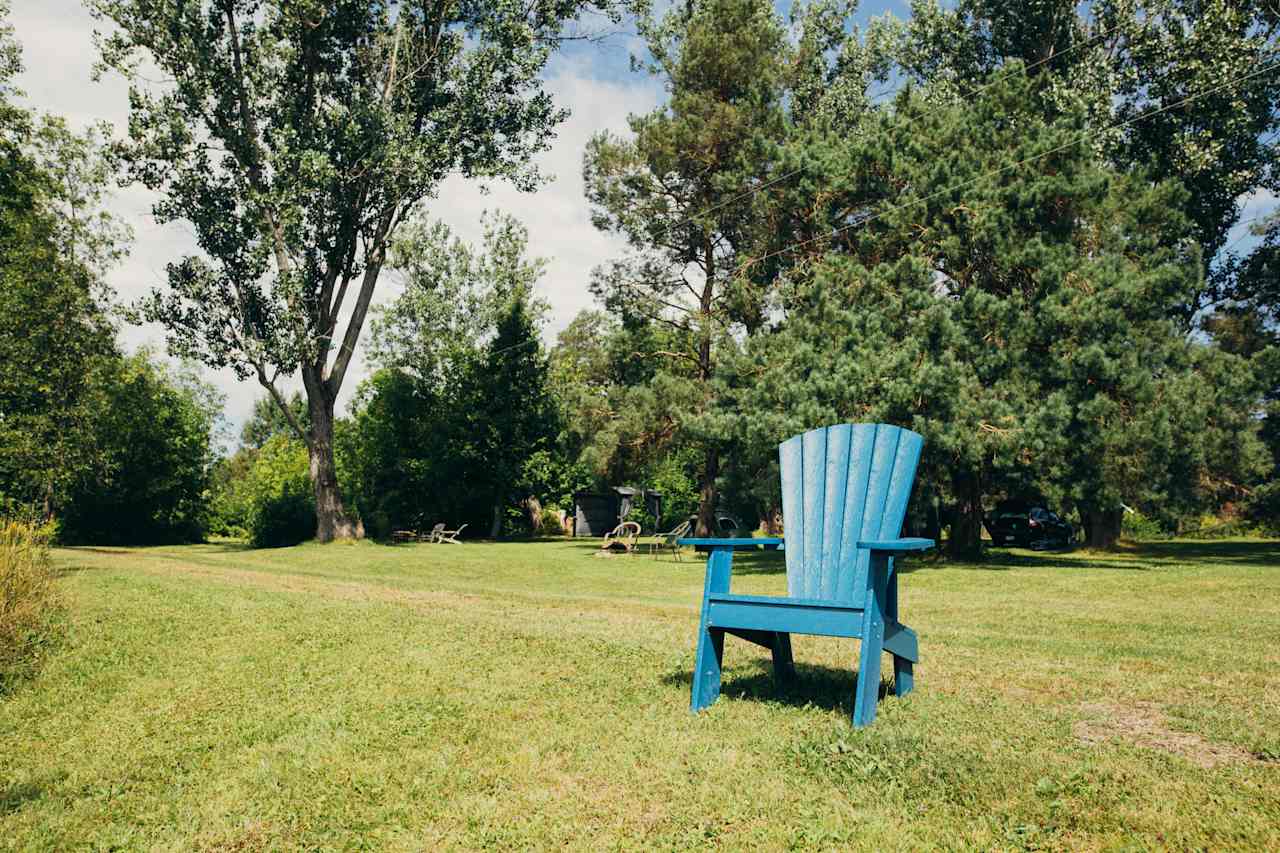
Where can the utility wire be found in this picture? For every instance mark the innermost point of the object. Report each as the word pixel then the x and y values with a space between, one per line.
pixel 1260 216
pixel 1115 126
pixel 1247 233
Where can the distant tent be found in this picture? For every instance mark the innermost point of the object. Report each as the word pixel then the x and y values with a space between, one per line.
pixel 596 513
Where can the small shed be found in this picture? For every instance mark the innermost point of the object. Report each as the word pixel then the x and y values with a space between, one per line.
pixel 596 513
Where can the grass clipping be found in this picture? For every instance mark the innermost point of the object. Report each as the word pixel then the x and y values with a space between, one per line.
pixel 29 607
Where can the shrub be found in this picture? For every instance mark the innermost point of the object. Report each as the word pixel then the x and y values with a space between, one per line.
pixel 154 440
pixel 1138 527
pixel 549 524
pixel 282 507
pixel 1210 526
pixel 642 516
pixel 1263 508
pixel 29 608
pixel 230 502
pixel 679 490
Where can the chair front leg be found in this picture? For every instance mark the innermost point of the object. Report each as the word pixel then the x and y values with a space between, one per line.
pixel 873 619
pixel 707 666
pixel 709 659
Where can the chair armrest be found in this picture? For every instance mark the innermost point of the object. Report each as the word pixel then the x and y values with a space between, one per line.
pixel 720 560
pixel 897 545
pixel 741 542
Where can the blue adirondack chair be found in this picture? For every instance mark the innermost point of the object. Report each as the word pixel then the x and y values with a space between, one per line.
pixel 844 495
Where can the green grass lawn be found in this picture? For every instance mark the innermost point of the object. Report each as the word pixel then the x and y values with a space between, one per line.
pixel 532 695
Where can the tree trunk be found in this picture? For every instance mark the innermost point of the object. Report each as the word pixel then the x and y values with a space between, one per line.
pixel 707 494
pixel 966 525
pixel 332 520
pixel 496 527
pixel 711 467
pixel 932 521
pixel 1102 528
pixel 771 521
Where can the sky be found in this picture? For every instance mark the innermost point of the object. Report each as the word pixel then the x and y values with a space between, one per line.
pixel 593 80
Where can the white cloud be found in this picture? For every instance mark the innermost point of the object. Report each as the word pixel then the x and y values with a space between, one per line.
pixel 59 56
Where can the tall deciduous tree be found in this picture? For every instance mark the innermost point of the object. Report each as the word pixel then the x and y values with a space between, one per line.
pixel 296 137
pixel 56 343
pixel 268 419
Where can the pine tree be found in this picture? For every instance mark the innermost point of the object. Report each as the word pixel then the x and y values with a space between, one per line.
pixel 514 416
pixel 673 193
pixel 1010 296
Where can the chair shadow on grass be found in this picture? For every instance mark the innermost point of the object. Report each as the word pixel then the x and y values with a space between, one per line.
pixel 16 796
pixel 812 685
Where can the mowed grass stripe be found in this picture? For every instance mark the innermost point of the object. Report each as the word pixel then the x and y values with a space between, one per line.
pixel 385 698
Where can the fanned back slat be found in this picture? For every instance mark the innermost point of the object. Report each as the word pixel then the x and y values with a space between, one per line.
pixel 835 477
pixel 862 444
pixel 904 475
pixel 792 467
pixel 883 455
pixel 841 484
pixel 815 471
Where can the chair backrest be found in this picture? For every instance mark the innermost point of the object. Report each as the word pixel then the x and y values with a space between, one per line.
pixel 680 531
pixel 840 484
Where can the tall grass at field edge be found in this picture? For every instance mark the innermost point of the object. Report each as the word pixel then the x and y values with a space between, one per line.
pixel 30 609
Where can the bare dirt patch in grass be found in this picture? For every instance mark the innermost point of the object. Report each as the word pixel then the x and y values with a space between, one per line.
pixel 1146 725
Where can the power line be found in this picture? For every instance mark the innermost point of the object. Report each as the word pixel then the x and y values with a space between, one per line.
pixel 1083 43
pixel 1115 126
pixel 1247 234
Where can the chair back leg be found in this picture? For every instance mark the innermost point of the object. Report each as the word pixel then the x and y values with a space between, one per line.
pixel 903 674
pixel 903 677
pixel 784 667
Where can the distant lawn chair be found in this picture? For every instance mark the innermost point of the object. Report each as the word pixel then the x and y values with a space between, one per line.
pixel 445 537
pixel 621 539
pixel 844 496
pixel 662 541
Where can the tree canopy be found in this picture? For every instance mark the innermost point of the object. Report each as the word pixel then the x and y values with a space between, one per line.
pixel 296 138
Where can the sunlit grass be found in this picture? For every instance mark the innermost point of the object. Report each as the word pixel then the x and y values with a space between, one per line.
pixel 531 695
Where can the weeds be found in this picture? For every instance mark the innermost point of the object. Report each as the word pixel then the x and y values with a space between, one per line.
pixel 29 606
